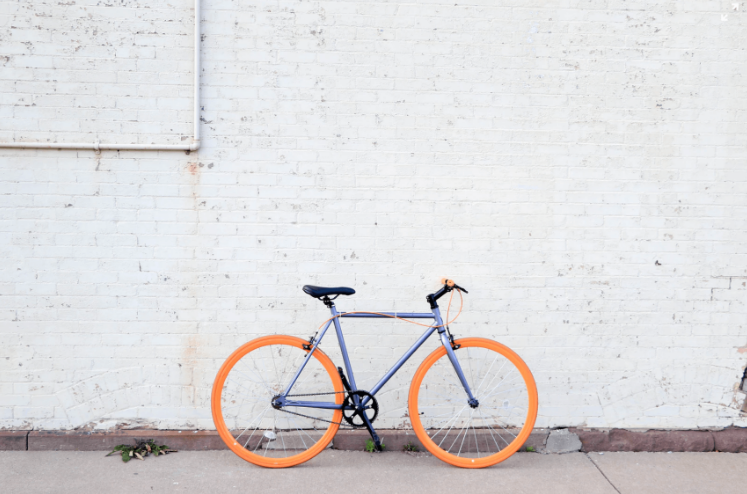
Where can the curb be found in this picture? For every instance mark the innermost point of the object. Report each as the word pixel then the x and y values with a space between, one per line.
pixel 395 440
pixel 107 440
pixel 731 440
pixel 14 440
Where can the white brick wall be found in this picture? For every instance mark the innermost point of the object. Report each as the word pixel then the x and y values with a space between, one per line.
pixel 579 166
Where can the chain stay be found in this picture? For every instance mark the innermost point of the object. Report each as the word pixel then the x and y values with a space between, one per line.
pixel 316 418
pixel 344 426
pixel 316 394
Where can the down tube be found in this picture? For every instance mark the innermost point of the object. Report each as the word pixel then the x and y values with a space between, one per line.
pixel 402 361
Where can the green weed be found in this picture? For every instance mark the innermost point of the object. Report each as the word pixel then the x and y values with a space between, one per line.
pixel 371 446
pixel 141 450
pixel 410 447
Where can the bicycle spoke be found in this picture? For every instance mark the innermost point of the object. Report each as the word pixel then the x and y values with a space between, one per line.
pixel 252 421
pixel 303 431
pixel 452 425
pixel 263 383
pixel 255 430
pixel 477 445
pixel 490 390
pixel 243 386
pixel 274 365
pixel 490 430
pixel 479 385
pixel 466 430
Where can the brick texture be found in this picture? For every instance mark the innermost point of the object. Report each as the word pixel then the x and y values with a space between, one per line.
pixel 106 441
pixel 578 166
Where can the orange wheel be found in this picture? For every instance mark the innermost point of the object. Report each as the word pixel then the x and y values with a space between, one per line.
pixel 473 436
pixel 242 399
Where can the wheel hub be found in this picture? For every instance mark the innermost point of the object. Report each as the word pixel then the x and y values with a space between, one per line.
pixel 277 402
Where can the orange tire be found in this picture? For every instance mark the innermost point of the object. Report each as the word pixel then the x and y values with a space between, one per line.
pixel 234 444
pixel 502 453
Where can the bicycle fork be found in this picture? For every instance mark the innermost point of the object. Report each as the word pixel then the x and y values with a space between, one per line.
pixel 448 344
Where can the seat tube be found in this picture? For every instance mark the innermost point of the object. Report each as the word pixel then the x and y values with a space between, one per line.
pixel 343 349
pixel 450 352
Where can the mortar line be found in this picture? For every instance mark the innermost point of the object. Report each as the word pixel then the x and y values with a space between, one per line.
pixel 603 475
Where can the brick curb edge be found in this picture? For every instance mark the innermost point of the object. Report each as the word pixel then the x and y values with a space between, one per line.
pixel 731 440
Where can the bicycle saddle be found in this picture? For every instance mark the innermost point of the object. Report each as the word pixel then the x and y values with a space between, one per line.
pixel 321 291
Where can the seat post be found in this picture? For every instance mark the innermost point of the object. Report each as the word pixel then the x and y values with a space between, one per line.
pixel 343 347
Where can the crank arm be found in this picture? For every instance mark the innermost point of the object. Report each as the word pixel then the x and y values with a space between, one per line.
pixel 374 436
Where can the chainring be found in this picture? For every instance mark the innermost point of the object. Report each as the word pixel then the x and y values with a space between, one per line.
pixel 350 416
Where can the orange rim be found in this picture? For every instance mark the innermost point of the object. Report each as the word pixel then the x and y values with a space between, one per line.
pixel 500 455
pixel 226 435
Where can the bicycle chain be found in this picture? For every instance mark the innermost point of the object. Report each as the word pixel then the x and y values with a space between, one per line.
pixel 317 418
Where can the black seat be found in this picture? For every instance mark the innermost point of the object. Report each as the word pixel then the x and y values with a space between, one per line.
pixel 321 291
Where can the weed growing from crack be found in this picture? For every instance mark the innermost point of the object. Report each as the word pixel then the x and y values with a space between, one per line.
pixel 141 450
pixel 371 446
pixel 410 447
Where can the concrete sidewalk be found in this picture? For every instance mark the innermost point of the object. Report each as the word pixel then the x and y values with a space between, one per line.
pixel 335 472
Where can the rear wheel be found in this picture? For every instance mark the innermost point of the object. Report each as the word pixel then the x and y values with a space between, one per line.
pixel 242 402
pixel 467 436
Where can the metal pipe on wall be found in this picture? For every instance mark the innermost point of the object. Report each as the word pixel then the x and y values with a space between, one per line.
pixel 196 115
pixel 96 146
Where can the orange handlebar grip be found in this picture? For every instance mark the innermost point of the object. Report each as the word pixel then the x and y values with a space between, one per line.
pixel 448 282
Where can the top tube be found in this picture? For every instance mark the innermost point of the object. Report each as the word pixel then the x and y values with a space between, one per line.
pixel 411 315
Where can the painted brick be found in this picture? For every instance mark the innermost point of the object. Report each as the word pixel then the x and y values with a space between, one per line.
pixel 579 168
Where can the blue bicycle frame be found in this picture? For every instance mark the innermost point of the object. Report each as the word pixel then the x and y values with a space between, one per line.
pixel 282 399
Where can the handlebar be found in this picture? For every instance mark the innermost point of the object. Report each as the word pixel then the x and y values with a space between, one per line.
pixel 449 285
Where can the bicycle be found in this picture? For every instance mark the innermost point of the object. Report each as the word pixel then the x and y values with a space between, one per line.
pixel 472 409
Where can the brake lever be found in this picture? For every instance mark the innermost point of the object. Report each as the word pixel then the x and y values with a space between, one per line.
pixel 450 285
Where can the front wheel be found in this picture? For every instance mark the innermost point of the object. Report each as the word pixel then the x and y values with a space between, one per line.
pixel 471 436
